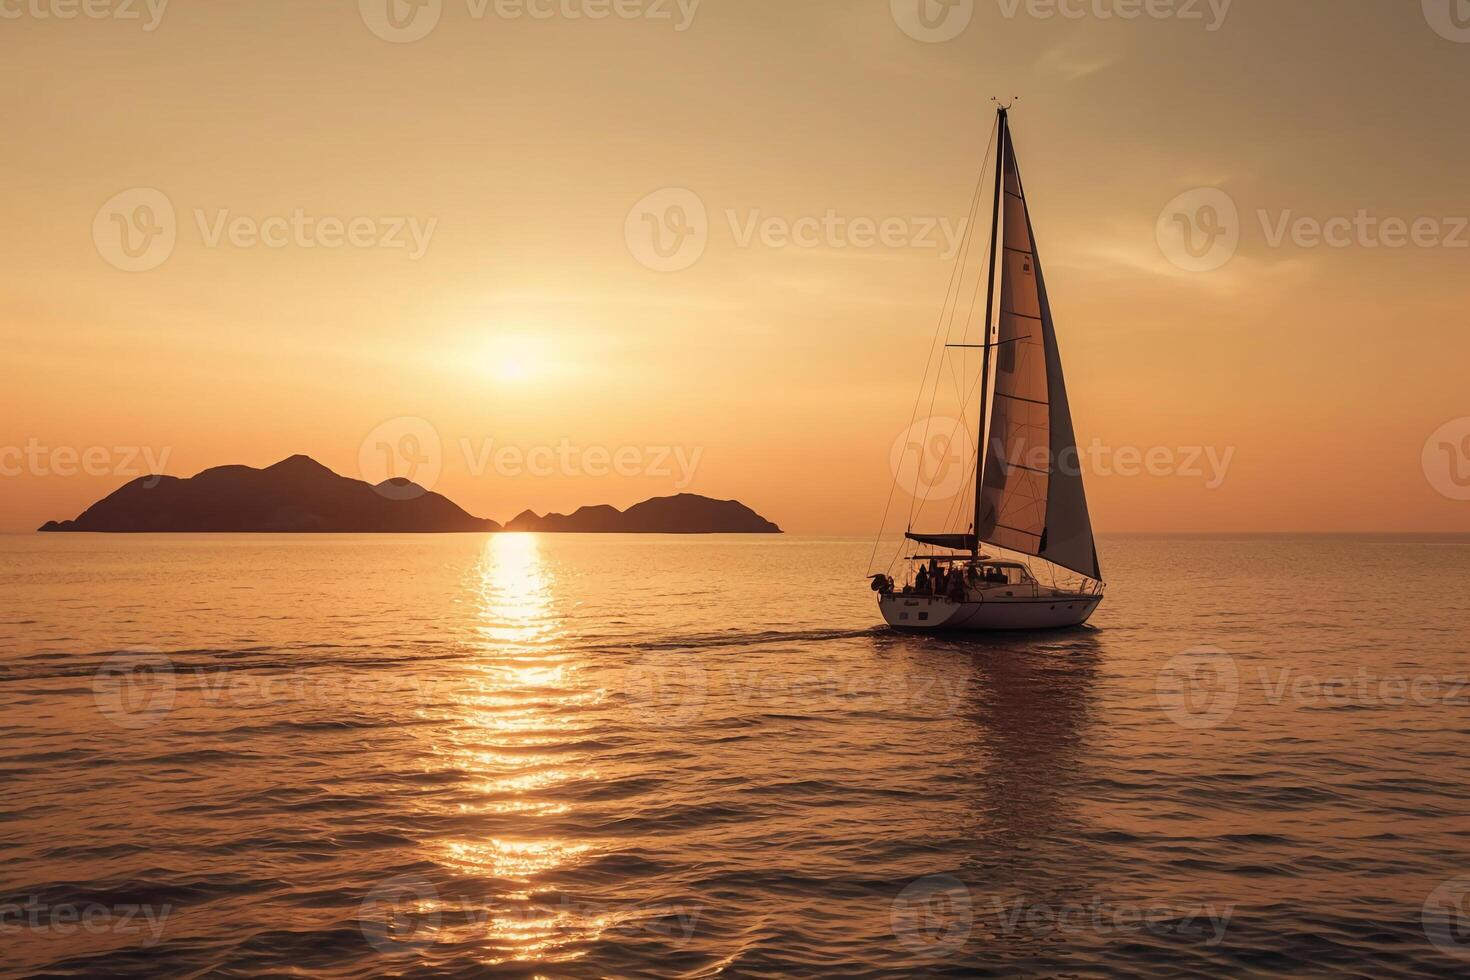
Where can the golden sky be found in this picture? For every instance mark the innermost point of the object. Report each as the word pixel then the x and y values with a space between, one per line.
pixel 456 230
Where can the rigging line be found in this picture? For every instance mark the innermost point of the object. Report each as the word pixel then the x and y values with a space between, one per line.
pixel 966 248
pixel 969 461
pixel 969 466
pixel 965 461
pixel 964 494
pixel 963 257
pixel 957 284
pixel 987 328
pixel 952 293
pixel 918 400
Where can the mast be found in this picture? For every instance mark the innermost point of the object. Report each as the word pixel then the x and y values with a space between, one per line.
pixel 983 435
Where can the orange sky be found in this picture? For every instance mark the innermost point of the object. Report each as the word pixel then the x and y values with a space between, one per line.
pixel 526 313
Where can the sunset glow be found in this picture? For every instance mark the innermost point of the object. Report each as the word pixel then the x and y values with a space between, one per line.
pixel 789 350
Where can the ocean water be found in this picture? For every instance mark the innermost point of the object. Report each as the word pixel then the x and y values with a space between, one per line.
pixel 524 755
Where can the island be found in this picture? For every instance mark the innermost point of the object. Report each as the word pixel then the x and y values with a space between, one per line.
pixel 299 495
pixel 685 513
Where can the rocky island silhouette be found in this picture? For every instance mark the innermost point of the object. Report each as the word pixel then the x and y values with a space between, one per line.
pixel 685 513
pixel 300 495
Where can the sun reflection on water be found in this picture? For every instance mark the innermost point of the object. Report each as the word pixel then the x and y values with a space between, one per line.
pixel 519 706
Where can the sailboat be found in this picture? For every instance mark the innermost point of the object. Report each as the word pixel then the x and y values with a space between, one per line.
pixel 1029 501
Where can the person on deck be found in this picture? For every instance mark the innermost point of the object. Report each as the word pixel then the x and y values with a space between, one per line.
pixel 956 586
pixel 921 581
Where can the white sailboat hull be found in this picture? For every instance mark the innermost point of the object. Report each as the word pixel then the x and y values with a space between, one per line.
pixel 937 613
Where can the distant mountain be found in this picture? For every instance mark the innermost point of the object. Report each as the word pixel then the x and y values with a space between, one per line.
pixel 297 494
pixel 687 513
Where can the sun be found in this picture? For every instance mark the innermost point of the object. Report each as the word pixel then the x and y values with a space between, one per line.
pixel 511 370
pixel 516 358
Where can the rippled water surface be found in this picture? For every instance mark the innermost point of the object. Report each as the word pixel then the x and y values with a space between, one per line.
pixel 608 756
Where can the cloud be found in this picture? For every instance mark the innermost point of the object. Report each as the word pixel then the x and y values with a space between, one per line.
pixel 1077 57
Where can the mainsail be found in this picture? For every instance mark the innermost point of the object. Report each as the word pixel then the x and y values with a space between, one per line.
pixel 1031 499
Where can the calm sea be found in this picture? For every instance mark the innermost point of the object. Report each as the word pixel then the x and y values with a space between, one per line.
pixel 577 756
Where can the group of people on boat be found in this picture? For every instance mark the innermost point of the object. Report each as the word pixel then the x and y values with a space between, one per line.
pixel 945 579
